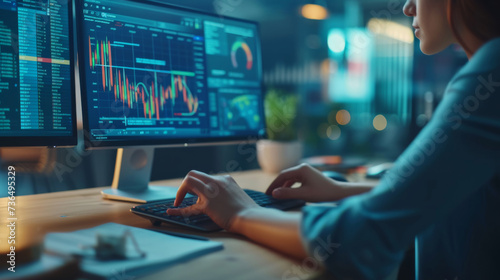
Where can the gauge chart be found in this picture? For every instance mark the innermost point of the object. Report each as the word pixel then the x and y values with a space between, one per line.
pixel 243 48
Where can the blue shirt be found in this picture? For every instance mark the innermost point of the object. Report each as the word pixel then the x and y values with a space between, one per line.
pixel 443 194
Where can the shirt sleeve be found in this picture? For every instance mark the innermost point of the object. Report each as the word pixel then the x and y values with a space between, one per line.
pixel 365 237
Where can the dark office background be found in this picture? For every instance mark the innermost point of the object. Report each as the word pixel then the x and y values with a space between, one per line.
pixel 386 89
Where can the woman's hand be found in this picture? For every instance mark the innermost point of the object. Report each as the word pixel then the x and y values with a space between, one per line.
pixel 315 186
pixel 232 209
pixel 219 197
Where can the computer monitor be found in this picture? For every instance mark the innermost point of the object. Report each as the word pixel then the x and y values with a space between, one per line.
pixel 158 75
pixel 37 88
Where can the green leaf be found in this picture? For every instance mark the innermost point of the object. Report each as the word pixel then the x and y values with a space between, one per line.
pixel 281 115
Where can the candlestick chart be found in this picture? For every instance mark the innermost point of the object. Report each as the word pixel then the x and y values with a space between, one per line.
pixel 143 80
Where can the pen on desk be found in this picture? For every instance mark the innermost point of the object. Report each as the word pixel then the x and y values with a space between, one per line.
pixel 183 235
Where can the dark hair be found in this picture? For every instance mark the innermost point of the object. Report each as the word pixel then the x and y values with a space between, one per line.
pixel 480 17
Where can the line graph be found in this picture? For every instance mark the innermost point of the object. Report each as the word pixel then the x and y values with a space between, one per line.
pixel 152 92
pixel 152 98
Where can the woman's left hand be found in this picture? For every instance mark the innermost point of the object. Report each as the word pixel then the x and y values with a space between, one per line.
pixel 219 197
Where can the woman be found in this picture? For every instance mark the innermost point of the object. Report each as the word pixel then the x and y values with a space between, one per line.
pixel 443 193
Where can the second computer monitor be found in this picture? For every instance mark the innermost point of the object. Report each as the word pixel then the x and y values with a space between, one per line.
pixel 154 74
pixel 37 82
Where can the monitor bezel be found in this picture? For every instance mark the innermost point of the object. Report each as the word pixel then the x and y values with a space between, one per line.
pixel 54 141
pixel 174 142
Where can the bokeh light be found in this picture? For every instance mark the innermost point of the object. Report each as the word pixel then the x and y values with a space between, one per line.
pixel 313 11
pixel 336 41
pixel 391 29
pixel 343 117
pixel 380 123
pixel 334 132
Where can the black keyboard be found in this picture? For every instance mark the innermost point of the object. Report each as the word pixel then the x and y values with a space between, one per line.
pixel 156 211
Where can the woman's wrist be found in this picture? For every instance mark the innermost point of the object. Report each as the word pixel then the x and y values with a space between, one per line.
pixel 352 189
pixel 272 228
pixel 237 224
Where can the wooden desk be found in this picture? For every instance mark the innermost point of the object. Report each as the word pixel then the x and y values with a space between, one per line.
pixel 74 210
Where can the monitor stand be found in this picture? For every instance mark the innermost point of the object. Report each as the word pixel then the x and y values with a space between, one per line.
pixel 131 180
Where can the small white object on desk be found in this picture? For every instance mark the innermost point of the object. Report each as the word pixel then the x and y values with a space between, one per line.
pixel 162 250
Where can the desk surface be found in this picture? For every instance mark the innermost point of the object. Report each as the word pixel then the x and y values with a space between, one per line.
pixel 73 210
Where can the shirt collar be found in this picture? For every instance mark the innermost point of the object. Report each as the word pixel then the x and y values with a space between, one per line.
pixel 486 59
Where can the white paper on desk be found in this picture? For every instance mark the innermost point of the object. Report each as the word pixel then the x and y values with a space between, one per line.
pixel 162 250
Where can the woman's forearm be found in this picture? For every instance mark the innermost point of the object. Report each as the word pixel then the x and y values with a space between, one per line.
pixel 281 230
pixel 272 228
pixel 352 189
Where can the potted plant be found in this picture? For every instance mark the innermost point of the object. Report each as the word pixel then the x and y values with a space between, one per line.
pixel 282 149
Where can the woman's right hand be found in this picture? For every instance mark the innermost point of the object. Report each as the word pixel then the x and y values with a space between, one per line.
pixel 315 187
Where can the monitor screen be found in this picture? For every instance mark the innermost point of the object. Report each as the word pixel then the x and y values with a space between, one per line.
pixel 154 74
pixel 37 102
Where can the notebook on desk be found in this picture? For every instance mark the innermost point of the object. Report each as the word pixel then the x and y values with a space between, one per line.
pixel 161 250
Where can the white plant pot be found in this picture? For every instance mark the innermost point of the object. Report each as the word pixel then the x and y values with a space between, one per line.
pixel 276 156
